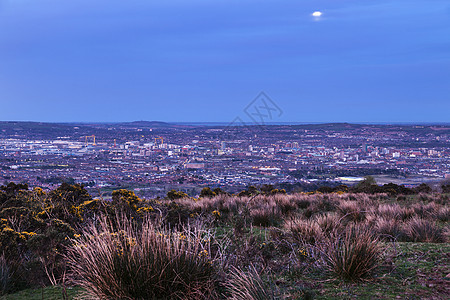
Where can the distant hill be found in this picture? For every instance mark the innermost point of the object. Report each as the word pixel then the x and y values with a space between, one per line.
pixel 153 124
pixel 78 130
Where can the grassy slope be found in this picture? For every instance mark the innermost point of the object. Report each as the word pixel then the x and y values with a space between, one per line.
pixel 48 293
pixel 411 271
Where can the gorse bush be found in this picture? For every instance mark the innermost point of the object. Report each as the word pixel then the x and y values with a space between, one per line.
pixel 5 276
pixel 352 255
pixel 125 198
pixel 143 263
pixel 173 194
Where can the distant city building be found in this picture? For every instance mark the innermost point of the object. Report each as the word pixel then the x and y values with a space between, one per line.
pixel 195 166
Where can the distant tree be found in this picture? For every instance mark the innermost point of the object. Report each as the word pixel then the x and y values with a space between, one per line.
pixel 219 191
pixel 267 188
pixel 325 189
pixel 368 185
pixel 423 188
pixel 207 192
pixel 446 188
pixel 368 181
pixel 395 189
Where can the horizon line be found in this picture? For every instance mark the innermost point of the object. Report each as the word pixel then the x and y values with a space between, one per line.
pixel 223 123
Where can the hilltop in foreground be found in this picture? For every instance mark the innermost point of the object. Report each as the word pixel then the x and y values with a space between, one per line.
pixel 259 245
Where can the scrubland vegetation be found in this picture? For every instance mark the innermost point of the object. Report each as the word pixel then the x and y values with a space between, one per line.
pixel 259 244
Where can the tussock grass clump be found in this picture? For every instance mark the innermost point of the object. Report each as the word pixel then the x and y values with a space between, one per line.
pixel 247 285
pixel 389 211
pixel 425 211
pixel 286 203
pixel 266 215
pixel 142 263
pixel 389 228
pixel 302 201
pixel 443 214
pixel 446 233
pixel 352 255
pixel 352 211
pixel 323 203
pixel 421 230
pixel 328 222
pixel 304 231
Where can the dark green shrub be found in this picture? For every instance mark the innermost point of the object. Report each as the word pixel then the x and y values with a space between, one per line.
pixel 207 192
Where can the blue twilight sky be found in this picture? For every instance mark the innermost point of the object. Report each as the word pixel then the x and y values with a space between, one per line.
pixel 206 60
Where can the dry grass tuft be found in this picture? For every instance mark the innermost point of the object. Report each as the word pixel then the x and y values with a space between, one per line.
pixel 425 211
pixel 389 228
pixel 247 285
pixel 328 223
pixel 267 214
pixel 352 211
pixel 421 230
pixel 302 231
pixel 142 263
pixel 443 214
pixel 446 234
pixel 352 255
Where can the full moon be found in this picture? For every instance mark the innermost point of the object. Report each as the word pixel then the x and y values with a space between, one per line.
pixel 317 14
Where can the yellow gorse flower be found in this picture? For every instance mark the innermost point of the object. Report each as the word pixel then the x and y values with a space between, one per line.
pixel 303 252
pixel 203 253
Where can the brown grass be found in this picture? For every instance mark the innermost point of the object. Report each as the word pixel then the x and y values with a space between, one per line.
pixel 352 211
pixel 142 263
pixel 352 255
pixel 425 231
pixel 328 222
pixel 303 231
pixel 247 285
pixel 389 228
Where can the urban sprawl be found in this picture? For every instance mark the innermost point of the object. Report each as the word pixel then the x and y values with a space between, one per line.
pixel 153 157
